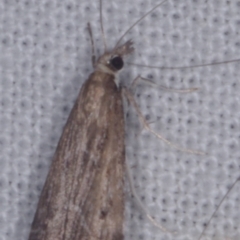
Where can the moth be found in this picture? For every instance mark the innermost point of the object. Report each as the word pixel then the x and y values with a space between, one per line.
pixel 82 197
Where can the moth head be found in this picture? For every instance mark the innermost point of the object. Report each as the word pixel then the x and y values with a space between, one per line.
pixel 112 61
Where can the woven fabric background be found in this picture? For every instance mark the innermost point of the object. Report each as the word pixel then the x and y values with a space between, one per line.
pixel 45 56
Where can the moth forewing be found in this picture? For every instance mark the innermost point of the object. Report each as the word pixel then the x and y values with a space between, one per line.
pixel 83 195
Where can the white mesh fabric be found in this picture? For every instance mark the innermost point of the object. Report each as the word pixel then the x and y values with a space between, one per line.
pixel 45 58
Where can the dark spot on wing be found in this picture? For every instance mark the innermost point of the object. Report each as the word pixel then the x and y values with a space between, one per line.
pixel 118 236
pixel 103 214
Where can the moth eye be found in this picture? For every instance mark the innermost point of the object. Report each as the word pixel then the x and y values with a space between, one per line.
pixel 117 62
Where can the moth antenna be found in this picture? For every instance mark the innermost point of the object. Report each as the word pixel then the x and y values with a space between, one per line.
pixel 102 29
pixel 92 44
pixel 139 20
pixel 218 206
pixel 184 67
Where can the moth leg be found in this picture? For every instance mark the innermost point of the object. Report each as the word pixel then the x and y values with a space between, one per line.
pixel 153 84
pixel 92 44
pixel 137 79
pixel 146 125
pixel 140 204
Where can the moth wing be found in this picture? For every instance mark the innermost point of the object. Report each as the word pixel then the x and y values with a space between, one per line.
pixel 83 195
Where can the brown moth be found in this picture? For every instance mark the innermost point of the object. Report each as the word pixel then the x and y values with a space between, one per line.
pixel 83 195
